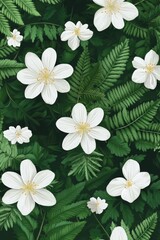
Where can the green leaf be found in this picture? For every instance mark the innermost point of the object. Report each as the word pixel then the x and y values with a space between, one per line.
pixel 118 147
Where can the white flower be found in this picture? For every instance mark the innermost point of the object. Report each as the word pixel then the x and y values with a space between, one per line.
pixel 147 71
pixel 83 129
pixel 44 77
pixel 18 134
pixel 28 188
pixel 97 205
pixel 113 11
pixel 118 233
pixel 129 188
pixel 74 33
pixel 16 39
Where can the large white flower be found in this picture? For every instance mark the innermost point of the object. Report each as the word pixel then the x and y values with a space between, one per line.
pixel 113 11
pixel 118 233
pixel 28 188
pixel 74 33
pixel 97 205
pixel 129 188
pixel 44 77
pixel 18 134
pixel 15 39
pixel 83 129
pixel 147 71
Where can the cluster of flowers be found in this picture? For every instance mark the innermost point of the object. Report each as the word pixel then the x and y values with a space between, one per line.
pixel 43 77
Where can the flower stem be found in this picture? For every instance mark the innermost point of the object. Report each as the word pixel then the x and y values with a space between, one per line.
pixel 41 227
pixel 108 237
pixel 139 2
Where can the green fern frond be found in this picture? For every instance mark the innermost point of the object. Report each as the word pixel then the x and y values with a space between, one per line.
pixel 5 50
pixel 8 217
pixel 4 25
pixel 145 229
pixel 113 66
pixel 136 31
pixel 27 6
pixel 9 68
pixel 51 1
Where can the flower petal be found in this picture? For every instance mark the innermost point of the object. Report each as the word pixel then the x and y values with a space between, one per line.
pixel 142 180
pixel 79 113
pixel 128 11
pixel 71 141
pixel 116 186
pixel 49 94
pixel 157 72
pixel 63 71
pixel 88 144
pixel 130 169
pixel 66 35
pixel 100 2
pixel 12 180
pixel 131 194
pixel 28 170
pixel 99 133
pixel 27 76
pixel 95 117
pixel 70 26
pixel 117 21
pixel 73 42
pixel 49 58
pixel 152 57
pixel 11 196
pixel 139 76
pixel 102 20
pixel 85 35
pixel 44 197
pixel 118 233
pixel 33 62
pixel 138 63
pixel 62 85
pixel 33 90
pixel 43 178
pixel 66 124
pixel 151 82
pixel 26 204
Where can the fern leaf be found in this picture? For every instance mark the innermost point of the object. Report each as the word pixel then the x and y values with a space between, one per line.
pixel 9 9
pixel 136 31
pixel 145 229
pixel 50 1
pixel 5 50
pixel 113 66
pixel 9 68
pixel 27 6
pixel 4 25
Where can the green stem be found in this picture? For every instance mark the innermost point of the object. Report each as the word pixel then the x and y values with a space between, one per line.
pixel 108 237
pixel 41 227
pixel 139 2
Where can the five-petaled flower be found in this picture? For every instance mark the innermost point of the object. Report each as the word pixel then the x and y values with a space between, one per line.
pixel 18 134
pixel 15 39
pixel 113 11
pixel 74 33
pixel 147 71
pixel 83 129
pixel 28 188
pixel 129 188
pixel 118 233
pixel 44 77
pixel 97 205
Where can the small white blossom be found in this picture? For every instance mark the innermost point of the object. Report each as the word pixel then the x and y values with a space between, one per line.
pixel 147 71
pixel 18 134
pixel 16 39
pixel 129 188
pixel 28 189
pixel 43 77
pixel 74 33
pixel 97 205
pixel 118 233
pixel 115 12
pixel 83 128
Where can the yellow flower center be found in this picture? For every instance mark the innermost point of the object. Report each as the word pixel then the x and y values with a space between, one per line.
pixel 46 76
pixel 150 68
pixel 29 187
pixel 83 127
pixel 128 184
pixel 18 133
pixel 112 7
pixel 77 31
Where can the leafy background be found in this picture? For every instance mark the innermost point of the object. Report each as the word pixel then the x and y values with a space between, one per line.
pixel 102 77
